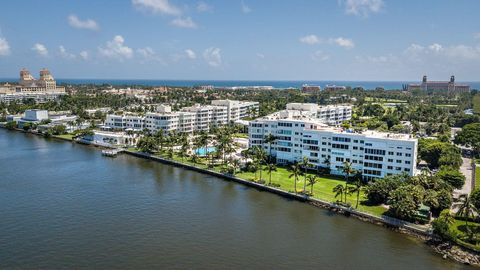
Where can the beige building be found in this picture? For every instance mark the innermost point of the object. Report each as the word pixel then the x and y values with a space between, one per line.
pixel 440 86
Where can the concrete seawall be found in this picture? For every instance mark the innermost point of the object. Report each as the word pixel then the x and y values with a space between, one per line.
pixel 384 220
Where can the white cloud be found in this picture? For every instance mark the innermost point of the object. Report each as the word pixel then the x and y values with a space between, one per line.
pixel 261 55
pixel 148 54
pixel 310 39
pixel 40 49
pixel 84 55
pixel 476 35
pixel 4 47
pixel 116 49
pixel 212 56
pixel 88 24
pixel 204 7
pixel 184 22
pixel 435 47
pixel 245 8
pixel 343 42
pixel 157 6
pixel 362 7
pixel 191 54
pixel 65 54
pixel 320 56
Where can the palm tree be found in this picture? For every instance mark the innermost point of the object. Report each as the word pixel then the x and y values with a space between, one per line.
pixel 296 172
pixel 260 156
pixel 305 164
pixel 312 179
pixel 356 188
pixel 339 190
pixel 270 138
pixel 271 168
pixel 235 163
pixel 466 208
pixel 194 157
pixel 348 170
pixel 160 138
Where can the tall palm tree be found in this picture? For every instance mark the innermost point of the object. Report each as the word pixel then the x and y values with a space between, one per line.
pixel 466 208
pixel 296 172
pixel 261 156
pixel 312 179
pixel 271 168
pixel 347 170
pixel 235 163
pixel 356 188
pixel 270 139
pixel 160 138
pixel 305 164
pixel 339 190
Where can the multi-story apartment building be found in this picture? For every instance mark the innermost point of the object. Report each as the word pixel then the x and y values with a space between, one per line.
pixel 125 121
pixel 189 119
pixel 330 114
pixel 237 110
pixel 207 116
pixel 374 154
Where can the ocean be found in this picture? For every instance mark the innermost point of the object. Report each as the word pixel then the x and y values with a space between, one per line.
pixel 388 85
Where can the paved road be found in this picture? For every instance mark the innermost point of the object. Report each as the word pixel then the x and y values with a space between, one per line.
pixel 466 169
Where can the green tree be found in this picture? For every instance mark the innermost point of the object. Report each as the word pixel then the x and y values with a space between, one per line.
pixel 339 190
pixel 296 172
pixel 356 188
pixel 466 208
pixel 147 145
pixel 451 176
pixel 312 180
pixel 405 201
pixel 270 139
pixel 271 168
pixel 469 136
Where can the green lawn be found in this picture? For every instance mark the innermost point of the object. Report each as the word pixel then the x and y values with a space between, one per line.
pixel 461 229
pixel 241 135
pixel 64 136
pixel 322 189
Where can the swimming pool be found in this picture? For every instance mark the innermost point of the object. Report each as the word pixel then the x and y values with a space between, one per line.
pixel 204 151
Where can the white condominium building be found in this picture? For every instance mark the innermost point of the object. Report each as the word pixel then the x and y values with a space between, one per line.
pixel 330 114
pixel 206 116
pixel 237 110
pixel 189 119
pixel 125 121
pixel 374 154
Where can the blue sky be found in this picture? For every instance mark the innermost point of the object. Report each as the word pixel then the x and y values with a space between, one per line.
pixel 243 40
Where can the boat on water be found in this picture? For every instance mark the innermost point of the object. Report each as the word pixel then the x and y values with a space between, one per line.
pixel 110 152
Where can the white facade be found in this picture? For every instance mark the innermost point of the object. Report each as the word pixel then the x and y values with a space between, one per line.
pixel 126 121
pixel 330 114
pixel 189 119
pixel 374 154
pixel 237 110
pixel 206 116
pixel 35 115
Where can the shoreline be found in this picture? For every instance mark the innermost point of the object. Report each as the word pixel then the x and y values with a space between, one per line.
pixel 449 250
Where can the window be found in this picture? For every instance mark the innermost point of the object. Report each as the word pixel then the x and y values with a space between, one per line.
pixel 408 155
pixel 390 167
pixel 375 151
pixel 390 153
pixel 339 146
pixel 399 154
pixel 339 159
pixel 390 160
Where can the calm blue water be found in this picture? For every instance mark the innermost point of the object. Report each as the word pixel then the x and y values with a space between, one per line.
pixel 389 85
pixel 204 152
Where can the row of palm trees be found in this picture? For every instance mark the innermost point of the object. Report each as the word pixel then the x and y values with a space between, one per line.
pixel 353 185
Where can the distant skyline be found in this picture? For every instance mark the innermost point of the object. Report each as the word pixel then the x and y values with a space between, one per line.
pixel 350 40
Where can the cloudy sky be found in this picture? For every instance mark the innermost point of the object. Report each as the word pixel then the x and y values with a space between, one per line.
pixel 243 39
